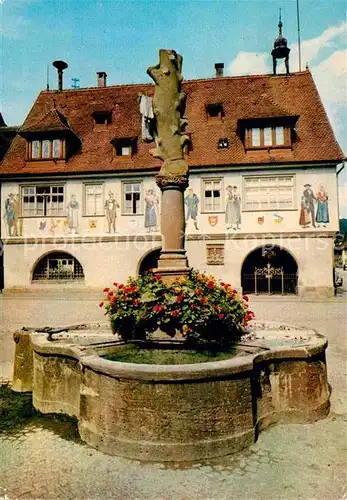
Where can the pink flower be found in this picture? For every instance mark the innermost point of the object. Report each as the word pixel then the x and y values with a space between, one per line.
pixel 106 290
pixel 220 316
pixel 157 276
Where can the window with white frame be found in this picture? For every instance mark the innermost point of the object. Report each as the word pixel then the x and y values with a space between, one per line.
pixel 94 199
pixel 266 137
pixel 269 192
pixel 42 200
pixel 211 190
pixel 43 149
pixel 132 198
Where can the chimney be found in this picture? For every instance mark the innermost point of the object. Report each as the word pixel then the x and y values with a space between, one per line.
pixel 219 67
pixel 101 78
pixel 60 65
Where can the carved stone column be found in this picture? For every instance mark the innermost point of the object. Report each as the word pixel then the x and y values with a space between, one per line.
pixel 168 107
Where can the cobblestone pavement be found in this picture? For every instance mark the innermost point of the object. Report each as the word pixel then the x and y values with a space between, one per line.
pixel 42 460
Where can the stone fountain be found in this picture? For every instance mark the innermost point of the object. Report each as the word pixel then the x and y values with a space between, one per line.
pixel 173 412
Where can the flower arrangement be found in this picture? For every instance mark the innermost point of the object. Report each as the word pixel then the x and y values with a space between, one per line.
pixel 204 310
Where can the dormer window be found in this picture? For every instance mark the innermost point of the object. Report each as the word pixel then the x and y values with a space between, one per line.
pixel 214 110
pixel 46 149
pixel 267 137
pixel 102 117
pixel 125 147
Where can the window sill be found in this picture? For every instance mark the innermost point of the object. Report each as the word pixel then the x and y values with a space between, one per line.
pixel 212 213
pixel 42 217
pixel 270 210
pixel 268 148
pixel 95 215
pixel 34 160
pixel 132 215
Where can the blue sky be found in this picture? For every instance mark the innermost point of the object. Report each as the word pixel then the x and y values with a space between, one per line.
pixel 123 38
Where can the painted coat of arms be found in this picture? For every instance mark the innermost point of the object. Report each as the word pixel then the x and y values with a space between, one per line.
pixel 213 220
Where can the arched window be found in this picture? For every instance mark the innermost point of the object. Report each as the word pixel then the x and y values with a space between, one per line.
pixel 58 266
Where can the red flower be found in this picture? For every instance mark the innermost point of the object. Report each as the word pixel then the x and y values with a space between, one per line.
pixel 174 313
pixel 158 308
pixel 245 297
pixel 101 304
pixel 106 289
pixel 180 298
pixel 136 302
pixel 121 286
pixel 115 284
pixel 110 293
pixel 210 284
pixel 157 276
pixel 198 291
pixel 220 316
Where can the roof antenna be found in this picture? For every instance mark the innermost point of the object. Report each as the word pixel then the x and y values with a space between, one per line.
pixel 47 86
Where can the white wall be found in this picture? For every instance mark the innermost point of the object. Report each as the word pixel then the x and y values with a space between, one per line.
pixel 272 221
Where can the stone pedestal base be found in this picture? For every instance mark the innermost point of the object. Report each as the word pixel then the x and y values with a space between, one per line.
pixel 172 264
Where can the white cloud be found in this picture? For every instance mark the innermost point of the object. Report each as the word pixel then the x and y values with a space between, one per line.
pixel 247 63
pixel 331 79
pixel 311 48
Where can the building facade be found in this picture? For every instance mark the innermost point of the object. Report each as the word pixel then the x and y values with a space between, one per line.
pixel 80 206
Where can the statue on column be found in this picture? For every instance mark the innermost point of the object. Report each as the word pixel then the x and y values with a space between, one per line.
pixel 168 108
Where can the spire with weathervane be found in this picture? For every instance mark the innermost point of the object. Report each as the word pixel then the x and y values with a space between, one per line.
pixel 281 49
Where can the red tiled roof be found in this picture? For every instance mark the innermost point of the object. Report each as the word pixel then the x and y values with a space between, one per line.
pixel 52 121
pixel 242 97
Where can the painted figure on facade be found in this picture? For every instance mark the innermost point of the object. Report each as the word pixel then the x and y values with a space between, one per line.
pixel 192 204
pixel 11 216
pixel 322 214
pixel 151 210
pixel 111 206
pixel 304 220
pixel 308 202
pixel 233 208
pixel 72 213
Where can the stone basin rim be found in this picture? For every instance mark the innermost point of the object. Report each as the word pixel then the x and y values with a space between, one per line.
pixel 90 358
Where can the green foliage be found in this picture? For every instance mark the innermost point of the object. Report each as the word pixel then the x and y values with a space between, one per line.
pixel 203 309
pixel 130 353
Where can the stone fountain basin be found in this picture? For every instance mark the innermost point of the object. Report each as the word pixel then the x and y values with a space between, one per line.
pixel 182 412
